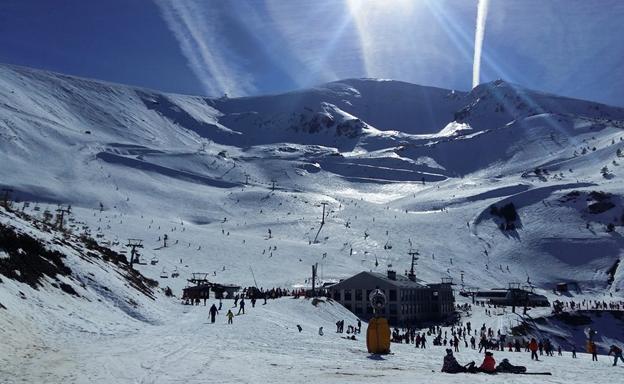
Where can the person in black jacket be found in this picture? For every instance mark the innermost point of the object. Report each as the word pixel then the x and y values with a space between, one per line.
pixel 617 354
pixel 213 313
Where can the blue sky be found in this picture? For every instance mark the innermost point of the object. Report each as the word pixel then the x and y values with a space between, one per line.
pixel 248 47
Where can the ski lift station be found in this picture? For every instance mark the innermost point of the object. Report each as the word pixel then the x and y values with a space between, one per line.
pixel 411 301
pixel 202 287
pixel 514 295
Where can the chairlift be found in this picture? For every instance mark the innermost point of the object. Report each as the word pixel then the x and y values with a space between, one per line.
pixel 37 207
pixel 140 260
pixel 163 274
pixel 175 272
pixel 154 261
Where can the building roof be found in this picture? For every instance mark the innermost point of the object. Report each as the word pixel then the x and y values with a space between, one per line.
pixel 400 281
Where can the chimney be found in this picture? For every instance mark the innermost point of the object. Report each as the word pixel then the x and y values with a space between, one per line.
pixel 391 274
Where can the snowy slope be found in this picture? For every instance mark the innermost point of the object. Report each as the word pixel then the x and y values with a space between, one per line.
pixel 396 162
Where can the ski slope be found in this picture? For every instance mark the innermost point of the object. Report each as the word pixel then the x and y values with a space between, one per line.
pixel 397 163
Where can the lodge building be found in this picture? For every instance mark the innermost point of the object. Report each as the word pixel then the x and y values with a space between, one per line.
pixel 410 301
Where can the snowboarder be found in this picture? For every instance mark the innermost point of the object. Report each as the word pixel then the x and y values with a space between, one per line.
pixel 617 354
pixel 230 316
pixel 213 313
pixel 321 331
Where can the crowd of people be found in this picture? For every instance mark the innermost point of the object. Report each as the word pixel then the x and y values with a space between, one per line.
pixel 595 305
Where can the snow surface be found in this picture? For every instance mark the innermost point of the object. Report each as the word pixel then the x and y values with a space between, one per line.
pixel 399 162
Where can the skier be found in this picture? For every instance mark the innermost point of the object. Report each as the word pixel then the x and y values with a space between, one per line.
pixel 299 328
pixel 241 307
pixel 321 331
pixel 533 347
pixel 574 351
pixel 230 316
pixel 213 313
pixel 617 354
pixel 359 326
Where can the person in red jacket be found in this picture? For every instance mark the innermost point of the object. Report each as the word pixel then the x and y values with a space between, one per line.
pixel 533 347
pixel 489 364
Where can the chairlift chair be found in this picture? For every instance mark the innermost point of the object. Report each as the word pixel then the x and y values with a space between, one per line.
pixel 175 272
pixel 154 261
pixel 163 274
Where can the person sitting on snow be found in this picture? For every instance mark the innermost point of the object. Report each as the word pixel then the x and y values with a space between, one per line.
pixel 489 364
pixel 450 364
pixel 506 367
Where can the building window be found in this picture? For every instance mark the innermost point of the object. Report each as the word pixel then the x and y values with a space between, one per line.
pixel 358 295
pixel 393 309
pixel 347 295
pixel 358 309
pixel 393 295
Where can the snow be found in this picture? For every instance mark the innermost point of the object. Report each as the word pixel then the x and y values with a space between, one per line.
pixel 392 159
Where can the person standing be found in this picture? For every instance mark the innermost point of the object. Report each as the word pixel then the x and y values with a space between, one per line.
pixel 241 306
pixel 533 347
pixel 230 316
pixel 574 351
pixel 213 313
pixel 593 350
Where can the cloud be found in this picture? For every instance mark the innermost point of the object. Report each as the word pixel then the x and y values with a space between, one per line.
pixel 197 30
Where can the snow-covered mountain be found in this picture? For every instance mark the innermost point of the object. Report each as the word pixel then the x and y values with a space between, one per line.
pixel 397 163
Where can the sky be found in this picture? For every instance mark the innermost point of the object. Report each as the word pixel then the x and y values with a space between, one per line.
pixel 250 47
